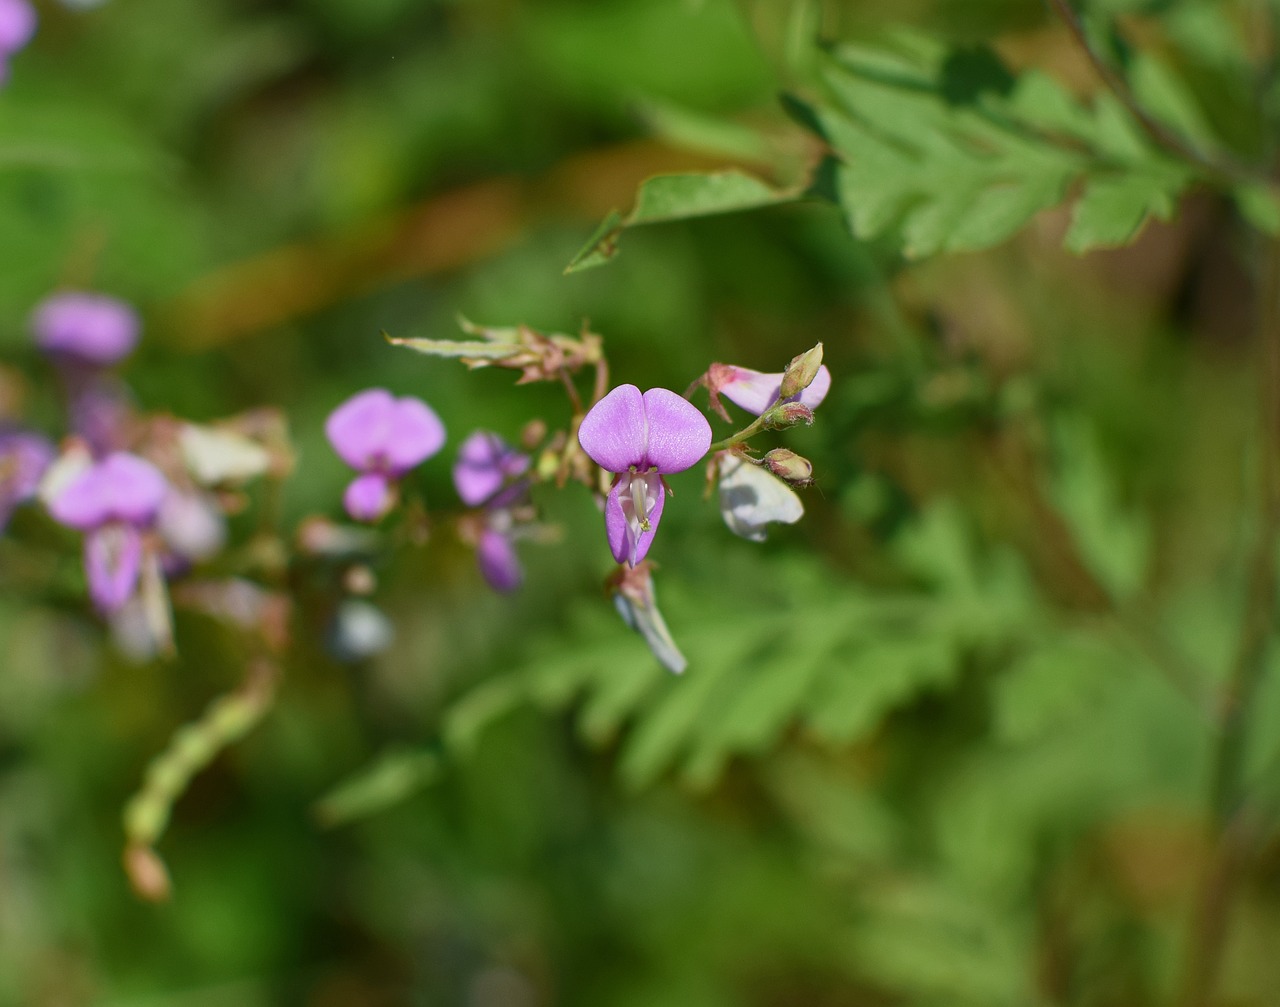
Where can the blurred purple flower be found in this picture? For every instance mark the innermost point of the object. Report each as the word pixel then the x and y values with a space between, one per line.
pixel 381 437
pixel 497 559
pixel 85 329
pixel 100 408
pixel 24 457
pixel 192 528
pixel 487 473
pixel 17 26
pixel 112 501
pixel 641 437
pixel 486 463
pixel 756 391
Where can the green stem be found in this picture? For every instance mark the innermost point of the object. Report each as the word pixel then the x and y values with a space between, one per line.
pixel 745 434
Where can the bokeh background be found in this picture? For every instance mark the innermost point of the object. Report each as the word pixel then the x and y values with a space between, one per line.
pixel 948 741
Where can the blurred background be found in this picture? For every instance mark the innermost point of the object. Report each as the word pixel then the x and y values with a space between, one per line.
pixel 948 741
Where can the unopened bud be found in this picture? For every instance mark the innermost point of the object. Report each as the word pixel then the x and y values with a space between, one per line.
pixel 788 414
pixel 789 466
pixel 360 580
pixel 147 873
pixel 800 373
pixel 533 434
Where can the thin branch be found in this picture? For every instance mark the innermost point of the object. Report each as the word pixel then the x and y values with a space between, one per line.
pixel 1159 133
pixel 1228 799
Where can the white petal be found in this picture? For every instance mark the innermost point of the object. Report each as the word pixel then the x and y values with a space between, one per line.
pixel 214 456
pixel 751 497
pixel 646 620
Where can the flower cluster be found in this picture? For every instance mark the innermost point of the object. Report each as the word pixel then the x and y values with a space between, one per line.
pixel 489 475
pixel 627 443
pixel 383 438
pixel 150 494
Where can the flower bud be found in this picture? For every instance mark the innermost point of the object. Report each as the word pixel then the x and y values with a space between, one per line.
pixel 788 414
pixel 533 434
pixel 800 373
pixel 789 466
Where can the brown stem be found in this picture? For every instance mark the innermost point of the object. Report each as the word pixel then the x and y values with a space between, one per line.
pixel 1232 815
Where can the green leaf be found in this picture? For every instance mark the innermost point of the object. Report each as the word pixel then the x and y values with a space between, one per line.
pixel 1113 541
pixel 855 694
pixel 1113 210
pixel 387 781
pixel 706 134
pixel 950 150
pixel 1054 684
pixel 679 197
pixel 1260 206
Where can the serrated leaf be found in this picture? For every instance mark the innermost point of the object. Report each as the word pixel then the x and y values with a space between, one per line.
pixel 1113 209
pixel 853 696
pixel 764 702
pixel 665 729
pixel 958 155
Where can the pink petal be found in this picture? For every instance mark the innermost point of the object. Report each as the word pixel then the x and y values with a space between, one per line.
pixel 615 523
pixel 82 504
pixel 112 561
pixel 92 328
pixel 625 547
pixel 498 561
pixel 135 488
pixel 613 433
pixel 17 25
pixel 818 388
pixel 122 487
pixel 679 434
pixel 756 391
pixel 359 428
pixel 416 434
pixel 485 462
pixel 368 497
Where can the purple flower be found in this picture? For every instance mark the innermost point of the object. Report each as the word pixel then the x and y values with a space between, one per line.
pixel 486 463
pixel 487 473
pixel 112 501
pixel 497 559
pixel 381 437
pixel 23 460
pixel 641 437
pixel 86 329
pixel 756 391
pixel 100 409
pixel 17 25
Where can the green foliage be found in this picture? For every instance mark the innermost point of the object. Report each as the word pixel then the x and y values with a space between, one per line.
pixel 1113 541
pixel 678 197
pixel 954 152
pixel 824 656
